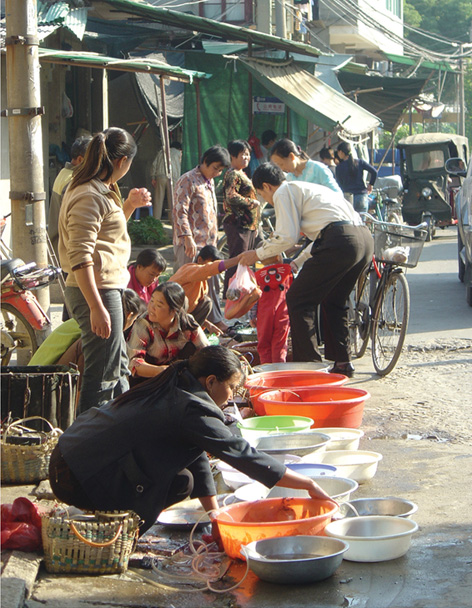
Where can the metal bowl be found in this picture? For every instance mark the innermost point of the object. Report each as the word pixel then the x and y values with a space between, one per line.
pixel 374 538
pixel 338 488
pixel 295 560
pixel 300 444
pixel 392 507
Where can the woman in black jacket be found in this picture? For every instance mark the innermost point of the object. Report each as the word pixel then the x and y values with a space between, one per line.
pixel 146 450
pixel 350 176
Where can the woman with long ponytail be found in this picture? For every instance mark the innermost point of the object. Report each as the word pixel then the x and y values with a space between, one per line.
pixel 350 176
pixel 94 248
pixel 147 449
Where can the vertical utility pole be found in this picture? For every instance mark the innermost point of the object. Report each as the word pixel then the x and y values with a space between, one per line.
pixel 264 16
pixel 280 19
pixel 461 93
pixel 25 136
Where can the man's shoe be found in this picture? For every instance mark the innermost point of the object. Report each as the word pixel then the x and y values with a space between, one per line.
pixel 347 369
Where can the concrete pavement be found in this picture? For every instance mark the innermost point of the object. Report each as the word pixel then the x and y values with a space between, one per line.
pixel 432 472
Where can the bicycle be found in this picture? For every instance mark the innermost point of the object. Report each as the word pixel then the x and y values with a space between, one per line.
pixel 379 305
pixel 385 208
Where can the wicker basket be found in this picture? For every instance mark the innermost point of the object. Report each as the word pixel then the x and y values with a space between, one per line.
pixel 95 543
pixel 26 461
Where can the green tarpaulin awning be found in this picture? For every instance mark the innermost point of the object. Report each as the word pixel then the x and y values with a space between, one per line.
pixel 390 102
pixel 204 25
pixel 311 98
pixel 443 65
pixel 136 64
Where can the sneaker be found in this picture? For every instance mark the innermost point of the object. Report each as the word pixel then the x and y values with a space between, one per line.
pixel 346 369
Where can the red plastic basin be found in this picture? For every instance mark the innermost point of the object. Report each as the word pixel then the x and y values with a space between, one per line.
pixel 241 523
pixel 270 381
pixel 336 406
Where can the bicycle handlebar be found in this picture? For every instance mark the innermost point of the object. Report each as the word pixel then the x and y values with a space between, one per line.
pixel 422 226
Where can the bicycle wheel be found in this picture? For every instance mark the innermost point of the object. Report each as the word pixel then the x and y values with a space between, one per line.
pixel 390 323
pixel 17 336
pixel 359 315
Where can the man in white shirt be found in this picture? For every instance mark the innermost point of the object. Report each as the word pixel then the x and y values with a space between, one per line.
pixel 342 248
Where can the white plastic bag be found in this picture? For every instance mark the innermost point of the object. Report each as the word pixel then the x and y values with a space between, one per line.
pixel 242 293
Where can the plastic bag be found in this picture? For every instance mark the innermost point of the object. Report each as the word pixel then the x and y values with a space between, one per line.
pixel 242 293
pixel 21 526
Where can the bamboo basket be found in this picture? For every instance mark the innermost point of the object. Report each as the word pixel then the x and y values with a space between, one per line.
pixel 23 463
pixel 92 543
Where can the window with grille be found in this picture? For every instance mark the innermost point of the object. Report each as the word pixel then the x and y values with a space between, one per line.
pixel 229 11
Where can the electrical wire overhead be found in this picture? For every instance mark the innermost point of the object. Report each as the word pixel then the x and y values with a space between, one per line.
pixel 355 14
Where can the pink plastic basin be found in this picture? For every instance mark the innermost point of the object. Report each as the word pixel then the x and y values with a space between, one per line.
pixel 259 384
pixel 244 522
pixel 339 406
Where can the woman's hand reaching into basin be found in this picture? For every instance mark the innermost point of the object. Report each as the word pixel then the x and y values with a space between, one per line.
pixel 300 482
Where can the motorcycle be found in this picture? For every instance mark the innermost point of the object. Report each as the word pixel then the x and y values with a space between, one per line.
pixel 23 323
pixel 428 191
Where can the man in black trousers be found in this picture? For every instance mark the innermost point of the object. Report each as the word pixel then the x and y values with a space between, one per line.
pixel 342 247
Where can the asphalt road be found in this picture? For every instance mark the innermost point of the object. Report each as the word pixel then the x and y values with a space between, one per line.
pixel 439 309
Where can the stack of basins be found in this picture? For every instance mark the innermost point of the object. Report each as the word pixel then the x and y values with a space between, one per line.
pixel 311 415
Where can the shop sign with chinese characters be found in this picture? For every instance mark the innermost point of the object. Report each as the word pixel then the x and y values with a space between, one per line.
pixel 267 105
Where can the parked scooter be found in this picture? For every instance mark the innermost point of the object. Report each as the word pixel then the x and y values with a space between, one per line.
pixel 24 325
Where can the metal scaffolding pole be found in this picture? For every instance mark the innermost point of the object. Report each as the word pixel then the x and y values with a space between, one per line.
pixel 25 136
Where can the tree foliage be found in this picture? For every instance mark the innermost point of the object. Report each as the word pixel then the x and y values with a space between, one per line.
pixel 450 19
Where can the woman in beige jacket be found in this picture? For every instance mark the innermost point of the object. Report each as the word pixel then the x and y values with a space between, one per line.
pixel 94 249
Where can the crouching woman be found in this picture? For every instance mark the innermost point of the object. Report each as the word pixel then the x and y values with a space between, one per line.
pixel 146 450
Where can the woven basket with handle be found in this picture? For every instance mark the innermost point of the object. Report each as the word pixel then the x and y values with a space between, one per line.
pixel 91 543
pixel 25 452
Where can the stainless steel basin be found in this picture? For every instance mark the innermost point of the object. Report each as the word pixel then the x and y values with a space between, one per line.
pixel 293 560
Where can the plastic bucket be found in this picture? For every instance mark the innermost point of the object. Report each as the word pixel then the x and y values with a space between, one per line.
pixel 244 522
pixel 292 366
pixel 269 381
pixel 254 428
pixel 337 406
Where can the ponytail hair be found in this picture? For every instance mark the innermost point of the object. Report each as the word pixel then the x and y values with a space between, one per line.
pixel 218 361
pixel 177 301
pixel 105 148
pixel 352 163
pixel 285 147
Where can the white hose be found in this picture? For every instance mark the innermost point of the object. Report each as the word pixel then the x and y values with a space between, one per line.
pixel 202 563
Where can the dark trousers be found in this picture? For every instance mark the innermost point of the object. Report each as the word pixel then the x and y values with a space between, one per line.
pixel 67 488
pixel 338 257
pixel 239 240
pixel 202 310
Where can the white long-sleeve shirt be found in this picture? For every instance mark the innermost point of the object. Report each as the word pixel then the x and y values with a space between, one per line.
pixel 302 207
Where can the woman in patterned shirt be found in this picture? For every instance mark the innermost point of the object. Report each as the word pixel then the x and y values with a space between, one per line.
pixel 165 334
pixel 242 209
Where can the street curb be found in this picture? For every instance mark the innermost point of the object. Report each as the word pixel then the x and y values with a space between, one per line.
pixel 18 577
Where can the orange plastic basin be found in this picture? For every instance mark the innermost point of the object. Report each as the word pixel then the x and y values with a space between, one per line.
pixel 339 406
pixel 241 523
pixel 269 381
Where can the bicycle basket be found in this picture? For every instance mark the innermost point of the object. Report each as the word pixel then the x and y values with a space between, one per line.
pixel 398 244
